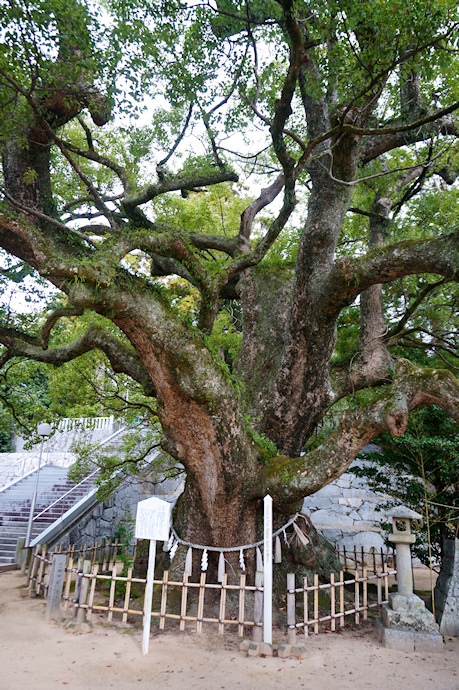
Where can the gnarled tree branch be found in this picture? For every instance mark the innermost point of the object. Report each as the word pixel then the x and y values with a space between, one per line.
pixel 413 387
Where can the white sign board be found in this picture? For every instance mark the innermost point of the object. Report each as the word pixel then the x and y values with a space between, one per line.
pixel 153 519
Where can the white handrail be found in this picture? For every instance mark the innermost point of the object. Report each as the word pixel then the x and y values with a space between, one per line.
pixel 90 476
pixel 45 510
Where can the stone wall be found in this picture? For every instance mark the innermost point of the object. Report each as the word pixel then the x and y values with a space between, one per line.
pixel 105 518
pixel 346 512
pixel 447 590
pixel 14 466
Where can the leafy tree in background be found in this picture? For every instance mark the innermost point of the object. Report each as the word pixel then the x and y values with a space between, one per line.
pixel 261 248
pixel 421 470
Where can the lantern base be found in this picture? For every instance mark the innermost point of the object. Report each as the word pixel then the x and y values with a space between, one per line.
pixel 409 640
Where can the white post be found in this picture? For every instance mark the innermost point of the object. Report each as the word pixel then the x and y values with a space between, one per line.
pixel 268 570
pixel 148 596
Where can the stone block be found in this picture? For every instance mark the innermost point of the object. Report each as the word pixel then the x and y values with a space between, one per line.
pixel 320 503
pixel 253 649
pixel 325 517
pixel 423 642
pixel 331 490
pixel 299 650
pixel 397 639
pixel 401 602
pixel 333 535
pixel 367 512
pixel 266 649
pixel 244 646
pixel 414 620
pixel 409 641
pixel 368 540
pixel 284 650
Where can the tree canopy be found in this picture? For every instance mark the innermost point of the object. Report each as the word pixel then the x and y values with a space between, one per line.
pixel 250 210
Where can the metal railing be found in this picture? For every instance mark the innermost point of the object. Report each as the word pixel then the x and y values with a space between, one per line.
pixel 90 476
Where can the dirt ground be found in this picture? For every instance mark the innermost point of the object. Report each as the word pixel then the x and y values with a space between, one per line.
pixel 35 654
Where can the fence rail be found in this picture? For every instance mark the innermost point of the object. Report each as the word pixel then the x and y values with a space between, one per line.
pixel 81 423
pixel 89 590
pixel 357 559
pixel 96 582
pixel 344 597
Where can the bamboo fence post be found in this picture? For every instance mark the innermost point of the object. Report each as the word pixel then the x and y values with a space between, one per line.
pixel 306 607
pixel 345 558
pixel 221 615
pixel 356 562
pixel 76 596
pixel 291 622
pixel 41 568
pixel 365 594
pixel 101 554
pixel 162 617
pixel 33 567
pixel 258 608
pixel 341 599
pixel 240 627
pixel 363 558
pixel 378 587
pixel 95 570
pixel 386 582
pixel 316 604
pixel 202 590
pixel 115 551
pixel 68 580
pixel 374 559
pixel 183 603
pixel 357 597
pixel 111 600
pixel 332 602
pixel 127 595
pixel 84 588
pixel 109 553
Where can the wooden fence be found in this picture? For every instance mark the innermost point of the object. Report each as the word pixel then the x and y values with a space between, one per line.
pixel 358 559
pixel 88 589
pixel 105 553
pixel 325 606
pixel 95 584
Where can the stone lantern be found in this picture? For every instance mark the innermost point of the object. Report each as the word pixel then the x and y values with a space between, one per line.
pixel 403 538
pixel 406 623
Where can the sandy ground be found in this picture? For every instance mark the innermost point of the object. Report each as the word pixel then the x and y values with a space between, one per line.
pixel 35 655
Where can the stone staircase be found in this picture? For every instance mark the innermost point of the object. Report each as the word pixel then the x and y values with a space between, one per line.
pixel 55 496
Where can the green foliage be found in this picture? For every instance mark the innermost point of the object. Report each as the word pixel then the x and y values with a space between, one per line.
pixel 186 63
pixel 135 456
pixel 124 532
pixel 421 470
pixel 268 449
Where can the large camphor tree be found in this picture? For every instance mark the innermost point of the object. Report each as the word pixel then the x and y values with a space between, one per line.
pixel 126 132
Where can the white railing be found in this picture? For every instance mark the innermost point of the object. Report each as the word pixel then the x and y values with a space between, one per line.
pixel 85 423
pixel 56 449
pixel 88 478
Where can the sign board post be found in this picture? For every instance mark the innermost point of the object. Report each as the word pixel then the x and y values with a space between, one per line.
pixel 152 523
pixel 268 570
